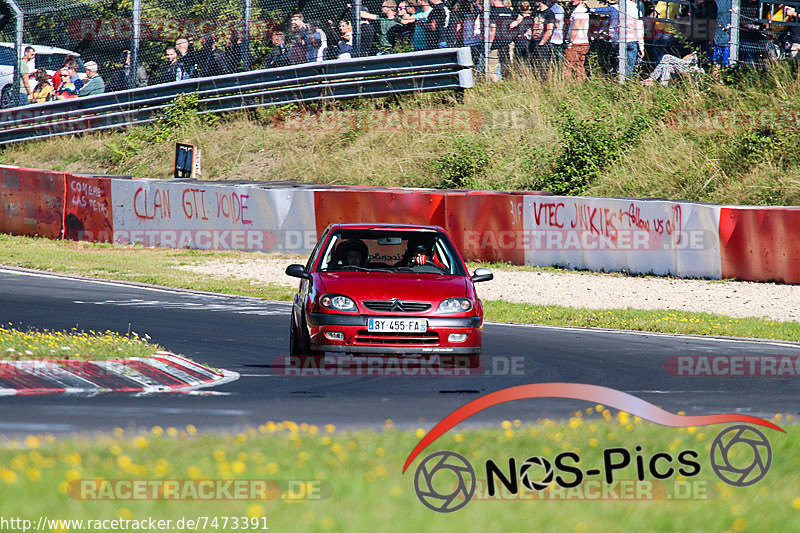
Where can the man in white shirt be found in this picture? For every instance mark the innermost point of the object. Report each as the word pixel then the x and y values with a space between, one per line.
pixel 578 46
pixel 557 40
pixel 633 27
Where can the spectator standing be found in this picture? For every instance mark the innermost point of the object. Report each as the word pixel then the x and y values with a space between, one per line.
pixel 211 59
pixel 25 65
pixel 468 27
pixel 664 32
pixel 404 32
pixel 94 83
pixel 501 35
pixel 234 52
pixel 171 70
pixel 317 49
pixel 794 32
pixel 524 32
pixel 187 67
pixel 122 78
pixel 633 27
pixel 421 38
pixel 557 40
pixel 298 46
pixel 541 49
pixel 278 56
pixel 578 46
pixel 439 24
pixel 346 41
pixel 43 92
pixel 386 21
pixel 704 24
pixel 368 47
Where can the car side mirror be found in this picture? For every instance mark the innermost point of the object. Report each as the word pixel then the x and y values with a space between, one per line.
pixel 297 271
pixel 482 274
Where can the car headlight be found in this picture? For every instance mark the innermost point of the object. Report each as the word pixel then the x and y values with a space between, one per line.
pixel 337 302
pixel 455 305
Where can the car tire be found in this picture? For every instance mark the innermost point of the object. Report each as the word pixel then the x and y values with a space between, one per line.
pixel 294 341
pixel 304 345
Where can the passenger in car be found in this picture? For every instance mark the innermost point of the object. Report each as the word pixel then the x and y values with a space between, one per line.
pixel 352 253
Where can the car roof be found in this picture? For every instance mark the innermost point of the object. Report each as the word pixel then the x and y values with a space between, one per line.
pixel 398 227
pixel 42 49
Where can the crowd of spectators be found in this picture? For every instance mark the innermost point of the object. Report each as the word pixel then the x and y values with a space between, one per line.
pixel 39 86
pixel 663 39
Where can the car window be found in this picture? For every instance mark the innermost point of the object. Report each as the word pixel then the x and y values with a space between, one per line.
pixel 390 251
pixel 312 257
pixel 6 56
pixel 50 61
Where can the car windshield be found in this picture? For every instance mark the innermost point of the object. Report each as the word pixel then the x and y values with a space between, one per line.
pixel 385 250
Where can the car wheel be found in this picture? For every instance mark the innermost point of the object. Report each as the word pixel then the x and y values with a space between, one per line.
pixel 294 343
pixel 7 97
pixel 304 345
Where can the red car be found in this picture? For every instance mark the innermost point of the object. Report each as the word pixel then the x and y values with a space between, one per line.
pixel 386 289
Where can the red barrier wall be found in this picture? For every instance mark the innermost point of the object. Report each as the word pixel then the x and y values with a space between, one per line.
pixel 370 205
pixel 31 202
pixel 760 244
pixel 485 226
pixel 88 210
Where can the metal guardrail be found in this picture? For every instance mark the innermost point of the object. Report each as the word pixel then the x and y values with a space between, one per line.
pixel 432 70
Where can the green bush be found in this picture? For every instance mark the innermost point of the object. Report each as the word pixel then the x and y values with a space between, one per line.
pixel 460 167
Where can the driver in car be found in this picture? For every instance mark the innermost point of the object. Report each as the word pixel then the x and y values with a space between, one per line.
pixel 353 253
pixel 420 253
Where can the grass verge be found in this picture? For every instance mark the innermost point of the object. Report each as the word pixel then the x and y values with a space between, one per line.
pixel 358 486
pixel 702 139
pixel 16 345
pixel 132 263
pixel 159 266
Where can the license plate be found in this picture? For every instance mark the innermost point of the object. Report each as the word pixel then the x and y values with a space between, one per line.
pixel 397 325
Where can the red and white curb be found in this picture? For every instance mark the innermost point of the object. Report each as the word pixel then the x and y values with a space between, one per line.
pixel 163 372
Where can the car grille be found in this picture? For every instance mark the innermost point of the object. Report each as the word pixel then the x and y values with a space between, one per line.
pixel 371 337
pixel 397 306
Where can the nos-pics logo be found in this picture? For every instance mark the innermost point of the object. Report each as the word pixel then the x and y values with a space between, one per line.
pixel 446 481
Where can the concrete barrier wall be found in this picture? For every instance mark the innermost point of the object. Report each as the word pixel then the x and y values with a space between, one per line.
pixel 220 217
pixel 638 236
pixel 641 236
pixel 31 202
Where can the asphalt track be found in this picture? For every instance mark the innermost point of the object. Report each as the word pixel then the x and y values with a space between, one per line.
pixel 245 335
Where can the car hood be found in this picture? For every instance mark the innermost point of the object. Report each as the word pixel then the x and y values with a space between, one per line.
pixel 386 286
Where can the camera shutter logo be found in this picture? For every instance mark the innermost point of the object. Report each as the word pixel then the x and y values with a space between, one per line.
pixel 525 473
pixel 448 466
pixel 742 436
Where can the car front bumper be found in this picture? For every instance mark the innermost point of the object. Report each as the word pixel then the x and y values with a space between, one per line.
pixel 358 340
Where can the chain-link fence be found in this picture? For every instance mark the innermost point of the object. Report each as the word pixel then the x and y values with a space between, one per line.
pixel 132 43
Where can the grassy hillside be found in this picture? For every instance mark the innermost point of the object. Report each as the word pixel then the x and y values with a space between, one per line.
pixel 727 141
